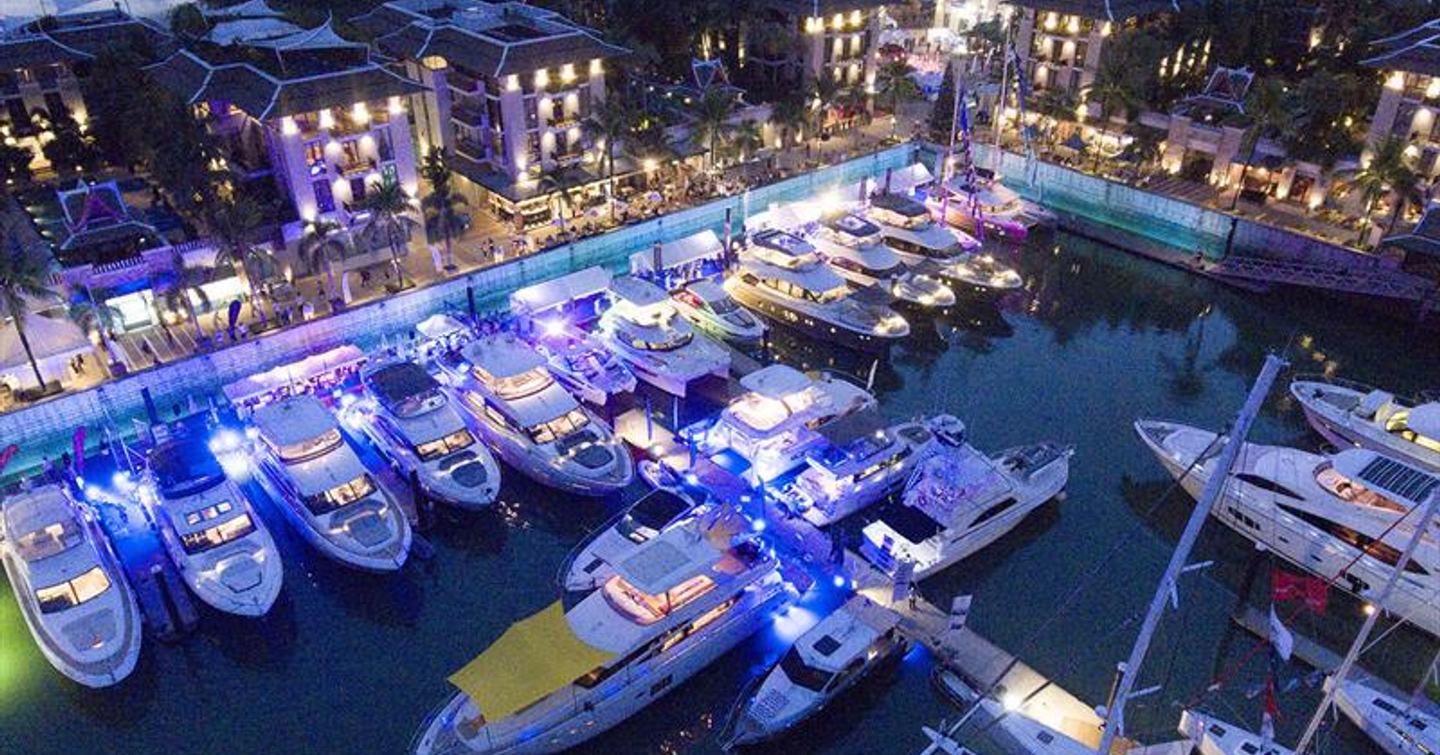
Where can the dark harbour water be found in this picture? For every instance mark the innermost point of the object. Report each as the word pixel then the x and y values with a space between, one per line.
pixel 352 663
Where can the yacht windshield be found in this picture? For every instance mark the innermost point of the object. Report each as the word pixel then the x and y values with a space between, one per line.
pixel 310 448
pixel 185 468
pixel 517 386
pixel 227 531
pixel 796 671
pixel 442 447
pixel 341 495
pixel 655 339
pixel 65 595
pixel 565 425
pixel 49 540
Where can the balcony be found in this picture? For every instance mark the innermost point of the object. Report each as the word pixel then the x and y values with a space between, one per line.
pixel 463 82
pixel 471 148
pixel 467 113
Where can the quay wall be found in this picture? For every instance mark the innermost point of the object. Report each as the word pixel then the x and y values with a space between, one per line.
pixel 46 428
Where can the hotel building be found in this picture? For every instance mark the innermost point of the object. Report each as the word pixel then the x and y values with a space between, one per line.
pixel 1410 99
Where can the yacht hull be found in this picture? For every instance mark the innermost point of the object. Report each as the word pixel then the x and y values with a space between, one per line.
pixel 1337 424
pixel 1408 732
pixel 811 326
pixel 390 559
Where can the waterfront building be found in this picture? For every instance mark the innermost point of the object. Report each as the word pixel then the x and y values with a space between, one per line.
pixel 961 16
pixel 1059 42
pixel 507 87
pixel 1410 64
pixel 41 66
pixel 309 112
pixel 801 41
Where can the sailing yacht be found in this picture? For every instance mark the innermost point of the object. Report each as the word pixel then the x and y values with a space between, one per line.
pixel 561 677
pixel 580 362
pixel 1331 515
pixel 706 305
pixel 960 501
pixel 855 248
pixel 1398 727
pixel 532 422
pixel 1352 414
pixel 409 419
pixel 645 331
pixel 827 660
pixel 70 586
pixel 589 564
pixel 776 421
pixel 782 277
pixel 318 482
pixel 862 460
pixel 212 533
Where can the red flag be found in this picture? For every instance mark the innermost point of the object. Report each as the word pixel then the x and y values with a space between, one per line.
pixel 79 444
pixel 1312 590
pixel 1272 711
pixel 1317 592
pixel 8 454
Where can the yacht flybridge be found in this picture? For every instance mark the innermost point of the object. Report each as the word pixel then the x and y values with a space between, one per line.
pixel 561 677
pixel 589 566
pixel 863 459
pixel 222 548
pixel 960 501
pixel 643 328
pixel 826 661
pixel 1351 414
pixel 782 277
pixel 908 227
pixel 409 419
pixel 531 421
pixel 855 248
pixel 776 421
pixel 321 486
pixel 1332 515
pixel 70 586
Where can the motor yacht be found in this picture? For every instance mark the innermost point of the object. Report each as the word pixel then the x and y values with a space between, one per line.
pixel 1334 516
pixel 70 586
pixel 827 660
pixel 1353 414
pixel 960 501
pixel 1397 726
pixel 319 483
pixel 561 677
pixel 532 422
pixel 588 566
pixel 409 419
pixel 706 305
pixel 581 362
pixel 782 277
pixel 771 426
pixel 855 248
pixel 1211 736
pixel 988 207
pixel 212 533
pixel 907 226
pixel 864 458
pixel 645 331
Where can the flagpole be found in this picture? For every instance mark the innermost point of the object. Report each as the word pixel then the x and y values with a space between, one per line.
pixel 1338 678
pixel 1214 486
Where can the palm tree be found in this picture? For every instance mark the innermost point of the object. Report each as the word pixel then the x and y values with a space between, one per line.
pixel 71 148
pixel 443 204
pixel 26 277
pixel 15 164
pixel 231 224
pixel 610 122
pixel 823 95
pixel 1114 90
pixel 893 80
pixel 315 246
pixel 181 287
pixel 1268 108
pixel 711 114
pixel 747 138
pixel 390 208
pixel 1374 180
pixel 560 184
pixel 97 316
pixel 790 116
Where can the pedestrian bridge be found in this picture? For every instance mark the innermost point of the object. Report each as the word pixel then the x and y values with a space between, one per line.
pixel 1369 281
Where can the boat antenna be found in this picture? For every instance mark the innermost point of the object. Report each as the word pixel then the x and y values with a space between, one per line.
pixel 1333 686
pixel 1166 590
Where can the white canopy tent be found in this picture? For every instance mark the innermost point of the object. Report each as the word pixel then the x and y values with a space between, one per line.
pixel 557 292
pixel 53 343
pixel 699 246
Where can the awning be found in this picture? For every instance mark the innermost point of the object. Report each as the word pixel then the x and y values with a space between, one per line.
pixel 440 326
pixel 295 373
pixel 532 659
pixel 54 342
pixel 1425 419
pixel 533 300
pixel 703 245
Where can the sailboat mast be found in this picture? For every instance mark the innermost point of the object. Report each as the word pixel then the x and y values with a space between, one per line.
pixel 1331 688
pixel 997 122
pixel 1214 486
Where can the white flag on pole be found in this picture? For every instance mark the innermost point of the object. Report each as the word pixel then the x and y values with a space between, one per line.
pixel 1280 637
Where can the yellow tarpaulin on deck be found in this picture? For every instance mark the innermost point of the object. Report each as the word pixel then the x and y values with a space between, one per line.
pixel 533 658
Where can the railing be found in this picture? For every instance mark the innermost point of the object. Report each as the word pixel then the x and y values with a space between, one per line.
pixel 1388 283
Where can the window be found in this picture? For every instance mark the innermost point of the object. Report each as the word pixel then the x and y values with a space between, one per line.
pixel 993 511
pixel 309 449
pixel 1266 484
pixel 435 449
pixel 384 147
pixel 340 495
pixel 560 427
pixel 1379 550
pixel 86 587
pixel 324 199
pixel 799 673
pixel 222 533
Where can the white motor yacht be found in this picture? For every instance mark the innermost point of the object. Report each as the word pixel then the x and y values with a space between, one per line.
pixel 863 459
pixel 941 251
pixel 581 362
pixel 589 565
pixel 532 422
pixel 960 501
pixel 70 586
pixel 855 248
pixel 321 486
pixel 410 421
pixel 782 277
pixel 1398 727
pixel 774 423
pixel 1352 414
pixel 826 661
pixel 988 207
pixel 1334 516
pixel 1211 736
pixel 643 328
pixel 706 305
pixel 212 533
pixel 562 677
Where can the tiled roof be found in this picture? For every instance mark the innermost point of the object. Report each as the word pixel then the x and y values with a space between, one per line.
pixel 1424 238
pixel 1112 10
pixel 1415 51
pixel 77 37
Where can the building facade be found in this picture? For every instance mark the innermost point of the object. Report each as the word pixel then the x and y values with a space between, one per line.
pixel 1060 42
pixel 807 40
pixel 1410 99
